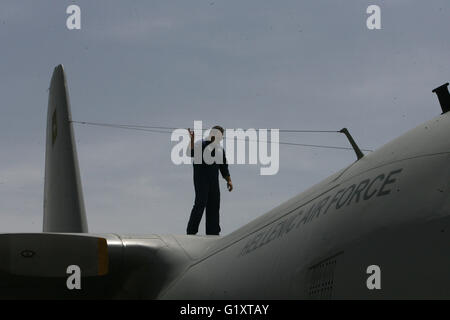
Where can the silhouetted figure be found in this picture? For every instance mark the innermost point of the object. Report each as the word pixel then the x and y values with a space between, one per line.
pixel 206 184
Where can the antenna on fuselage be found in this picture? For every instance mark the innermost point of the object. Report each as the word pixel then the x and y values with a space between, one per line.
pixel 443 96
pixel 355 147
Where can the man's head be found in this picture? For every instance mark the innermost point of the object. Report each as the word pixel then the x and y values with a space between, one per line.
pixel 216 131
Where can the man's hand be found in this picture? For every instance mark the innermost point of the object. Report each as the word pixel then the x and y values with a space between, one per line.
pixel 191 134
pixel 229 184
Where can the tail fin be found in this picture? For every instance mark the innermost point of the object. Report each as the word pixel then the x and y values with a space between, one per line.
pixel 63 196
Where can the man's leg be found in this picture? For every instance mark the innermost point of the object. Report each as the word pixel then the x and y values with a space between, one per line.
pixel 201 199
pixel 212 210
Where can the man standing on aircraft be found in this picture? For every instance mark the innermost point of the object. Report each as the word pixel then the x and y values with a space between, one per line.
pixel 206 182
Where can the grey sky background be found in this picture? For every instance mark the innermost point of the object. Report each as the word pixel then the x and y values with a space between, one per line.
pixel 262 64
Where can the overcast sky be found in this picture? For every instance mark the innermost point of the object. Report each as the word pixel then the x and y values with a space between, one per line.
pixel 241 64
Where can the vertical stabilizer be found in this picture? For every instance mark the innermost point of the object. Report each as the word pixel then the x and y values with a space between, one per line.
pixel 63 197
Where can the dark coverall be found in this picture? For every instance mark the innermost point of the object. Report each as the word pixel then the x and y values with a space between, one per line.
pixel 207 194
